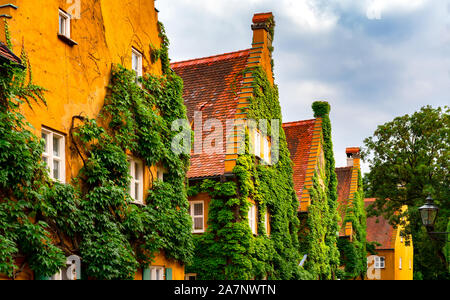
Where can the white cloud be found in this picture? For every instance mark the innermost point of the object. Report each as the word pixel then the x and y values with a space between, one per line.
pixel 308 15
pixel 376 8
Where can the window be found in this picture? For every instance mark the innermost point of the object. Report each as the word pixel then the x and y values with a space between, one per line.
pixel 267 158
pixel 379 262
pixel 252 219
pixel 54 154
pixel 64 23
pixel 267 223
pixel 197 212
pixel 160 172
pixel 137 178
pixel 400 263
pixel 257 144
pixel 137 63
pixel 156 273
pixel 190 276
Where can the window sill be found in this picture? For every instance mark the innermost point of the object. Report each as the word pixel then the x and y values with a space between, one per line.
pixel 138 204
pixel 67 40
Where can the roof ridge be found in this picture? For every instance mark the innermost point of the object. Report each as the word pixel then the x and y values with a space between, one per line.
pixel 208 59
pixel 295 123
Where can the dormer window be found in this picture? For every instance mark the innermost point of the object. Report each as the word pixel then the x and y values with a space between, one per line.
pixel 64 23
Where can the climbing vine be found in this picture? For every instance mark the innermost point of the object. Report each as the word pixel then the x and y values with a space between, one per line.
pixel 229 250
pixel 354 253
pixel 318 238
pixel 94 216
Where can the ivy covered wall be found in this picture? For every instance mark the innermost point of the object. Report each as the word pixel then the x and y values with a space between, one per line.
pixel 93 217
pixel 229 250
pixel 319 226
pixel 353 252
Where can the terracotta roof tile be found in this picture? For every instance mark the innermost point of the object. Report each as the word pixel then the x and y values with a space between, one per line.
pixel 379 230
pixel 8 54
pixel 344 177
pixel 299 137
pixel 210 86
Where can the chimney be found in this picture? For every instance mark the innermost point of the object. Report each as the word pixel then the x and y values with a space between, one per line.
pixel 353 157
pixel 263 31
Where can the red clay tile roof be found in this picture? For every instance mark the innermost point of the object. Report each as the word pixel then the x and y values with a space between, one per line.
pixel 344 177
pixel 299 139
pixel 379 230
pixel 210 86
pixel 8 54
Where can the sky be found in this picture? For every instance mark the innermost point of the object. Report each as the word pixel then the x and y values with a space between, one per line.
pixel 372 60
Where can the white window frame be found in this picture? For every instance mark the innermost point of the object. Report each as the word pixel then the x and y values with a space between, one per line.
pixel 154 273
pixel 266 222
pixel 160 172
pixel 252 219
pixel 64 28
pixel 258 144
pixel 136 180
pixel 51 157
pixel 139 57
pixel 266 150
pixel 380 262
pixel 194 217
pixel 400 263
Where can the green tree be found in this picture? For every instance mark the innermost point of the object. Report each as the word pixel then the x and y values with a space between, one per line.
pixel 409 160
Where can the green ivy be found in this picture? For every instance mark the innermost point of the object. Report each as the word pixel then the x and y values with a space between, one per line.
pixel 354 253
pixel 320 227
pixel 228 249
pixel 94 217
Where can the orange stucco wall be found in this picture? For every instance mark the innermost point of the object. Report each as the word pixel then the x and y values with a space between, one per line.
pixel 76 77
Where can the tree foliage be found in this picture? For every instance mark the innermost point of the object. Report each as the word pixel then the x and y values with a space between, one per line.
pixel 409 159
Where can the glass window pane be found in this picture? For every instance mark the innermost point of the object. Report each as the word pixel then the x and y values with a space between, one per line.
pixel 45 137
pixel 198 223
pixel 56 146
pixel 137 193
pixel 56 169
pixel 61 24
pixel 137 171
pixel 198 209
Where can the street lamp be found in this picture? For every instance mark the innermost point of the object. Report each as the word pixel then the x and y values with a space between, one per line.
pixel 429 212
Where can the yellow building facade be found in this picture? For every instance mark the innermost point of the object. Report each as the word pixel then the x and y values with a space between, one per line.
pixel 72 46
pixel 394 258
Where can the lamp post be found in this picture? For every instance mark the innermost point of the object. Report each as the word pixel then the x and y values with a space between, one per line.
pixel 428 213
